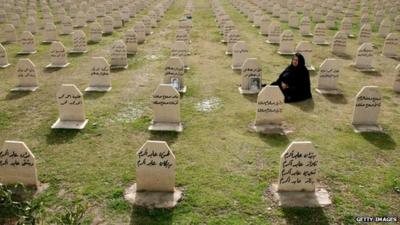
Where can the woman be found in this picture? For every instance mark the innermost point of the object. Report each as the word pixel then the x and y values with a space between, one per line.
pixel 294 81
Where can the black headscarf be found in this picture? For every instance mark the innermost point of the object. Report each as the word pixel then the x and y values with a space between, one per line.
pixel 298 80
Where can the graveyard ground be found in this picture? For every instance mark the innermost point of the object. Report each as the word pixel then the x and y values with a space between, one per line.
pixel 223 167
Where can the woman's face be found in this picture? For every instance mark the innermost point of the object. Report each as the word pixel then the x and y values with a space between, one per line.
pixel 295 61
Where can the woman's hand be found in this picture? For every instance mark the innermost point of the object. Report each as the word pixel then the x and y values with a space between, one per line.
pixel 284 86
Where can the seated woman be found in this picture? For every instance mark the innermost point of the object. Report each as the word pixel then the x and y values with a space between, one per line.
pixel 294 81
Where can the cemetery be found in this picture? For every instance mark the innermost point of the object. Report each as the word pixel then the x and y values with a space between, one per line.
pixel 147 112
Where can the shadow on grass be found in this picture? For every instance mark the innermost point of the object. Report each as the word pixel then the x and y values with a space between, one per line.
pixel 306 106
pixel 375 73
pixel 60 136
pixel 12 95
pixel 343 56
pixel 93 94
pixel 52 69
pixel 336 99
pixel 252 98
pixel 380 140
pixel 76 54
pixel 275 140
pixel 305 216
pixel 143 216
pixel 167 136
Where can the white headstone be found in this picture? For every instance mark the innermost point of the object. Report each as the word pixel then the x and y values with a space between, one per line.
pixel 366 110
pixel 119 55
pixel 339 44
pixel 79 42
pixel 251 77
pixel 100 77
pixel 174 71
pixel 108 25
pixel 274 33
pixel 180 49
pixel 365 34
pixel 364 57
pixel 305 26
pixel 58 55
pixel 328 76
pixel 140 31
pixel 286 44
pixel 385 28
pixel 50 33
pixel 240 53
pixel 27 76
pixel 96 32
pixel 320 35
pixel 28 43
pixel 10 34
pixel 305 48
pixel 131 42
pixel 67 27
pixel 391 46
pixel 233 37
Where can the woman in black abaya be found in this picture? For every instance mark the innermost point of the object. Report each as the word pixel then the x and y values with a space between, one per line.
pixel 294 81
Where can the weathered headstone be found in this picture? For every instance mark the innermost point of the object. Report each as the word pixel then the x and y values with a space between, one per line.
pixel 347 26
pixel 96 32
pixel 305 48
pixel 365 34
pixel 269 118
pixel 274 33
pixel 31 25
pixel 140 31
pixel 391 46
pixel 17 164
pixel 305 26
pixel 233 37
pixel 251 77
pixel 71 108
pixel 364 58
pixel 328 76
pixel 27 76
pixel 330 21
pixel 366 110
pixel 58 55
pixel 119 55
pixel 131 42
pixel 297 183
pixel 240 53
pixel 173 75
pixel 286 44
pixel 180 49
pixel 79 42
pixel 182 35
pixel 10 33
pixel 320 35
pixel 80 19
pixel 384 28
pixel 50 33
pixel 264 25
pixel 293 20
pixel 166 109
pixel 339 44
pixel 108 25
pixel 117 19
pixel 28 43
pixel 100 77
pixel 66 24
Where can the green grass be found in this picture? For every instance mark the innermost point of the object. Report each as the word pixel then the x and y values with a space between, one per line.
pixel 224 168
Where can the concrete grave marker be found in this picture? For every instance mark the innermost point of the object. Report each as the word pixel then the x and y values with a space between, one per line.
pixel 240 53
pixel 58 55
pixel 28 43
pixel 233 37
pixel 305 48
pixel 50 33
pixel 31 25
pixel 166 109
pixel 180 49
pixel 17 164
pixel 27 76
pixel 10 33
pixel 131 42
pixel 293 20
pixel 364 58
pixel 264 25
pixel 119 55
pixel 346 26
pixel 155 177
pixel 320 35
pixel 328 76
pixel 365 34
pixel 391 46
pixel 108 25
pixel 140 31
pixel 67 27
pixel 384 28
pixel 366 110
pixel 305 26
pixel 339 44
pixel 274 33
pixel 79 42
pixel 297 183
pixel 100 77
pixel 286 44
pixel 174 71
pixel 71 108
pixel 251 77
pixel 96 32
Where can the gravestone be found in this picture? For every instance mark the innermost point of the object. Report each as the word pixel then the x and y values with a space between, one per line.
pixel 366 110
pixel 283 15
pixel 71 108
pixel 391 46
pixel 274 33
pixel 346 26
pixel 293 20
pixel 297 183
pixel 286 43
pixel 251 77
pixel 240 53
pixel 166 109
pixel 80 20
pixel 28 44
pixel 182 35
pixel 365 34
pixel 140 31
pixel 67 27
pixel 328 76
pixel 269 118
pixel 10 33
pixel 100 77
pixel 339 44
pixel 147 25
pixel 27 76
pixel 330 21
pixel 396 84
pixel 384 28
pixel 119 55
pixel 233 37
pixel 305 26
pixel 96 32
pixel 131 42
pixel 173 74
pixel 364 58
pixel 50 33
pixel 155 177
pixel 31 25
pixel 264 25
pixel 58 55
pixel 79 42
pixel 17 164
pixel 305 48
pixel 117 19
pixel 180 49
pixel 108 25
pixel 397 23
pixel 320 35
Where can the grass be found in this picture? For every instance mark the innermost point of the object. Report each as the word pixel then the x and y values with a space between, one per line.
pixel 223 168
